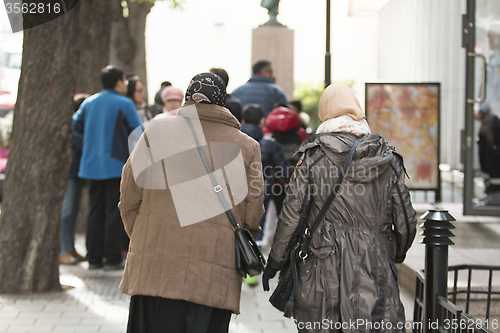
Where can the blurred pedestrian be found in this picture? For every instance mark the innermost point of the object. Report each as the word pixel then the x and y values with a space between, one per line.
pixel 104 121
pixel 489 116
pixel 284 124
pixel 172 98
pixel 347 273
pixel 183 278
pixel 305 120
pixel 136 91
pixel 72 198
pixel 157 107
pixel 274 163
pixel 261 89
pixel 232 103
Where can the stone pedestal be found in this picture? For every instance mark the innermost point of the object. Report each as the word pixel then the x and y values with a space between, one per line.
pixel 275 43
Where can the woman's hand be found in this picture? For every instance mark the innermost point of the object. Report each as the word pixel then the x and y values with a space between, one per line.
pixel 269 273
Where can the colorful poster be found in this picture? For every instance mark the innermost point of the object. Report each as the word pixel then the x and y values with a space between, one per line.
pixel 407 115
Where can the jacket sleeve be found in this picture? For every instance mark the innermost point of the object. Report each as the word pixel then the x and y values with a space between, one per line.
pixel 281 164
pixel 79 121
pixel 254 201
pixel 130 198
pixel 404 217
pixel 296 192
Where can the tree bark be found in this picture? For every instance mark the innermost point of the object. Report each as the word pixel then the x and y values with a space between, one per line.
pixel 36 174
pixel 94 38
pixel 128 50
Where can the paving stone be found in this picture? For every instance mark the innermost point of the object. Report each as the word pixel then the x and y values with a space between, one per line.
pixel 72 328
pixel 58 321
pixel 113 328
pixel 30 328
pixel 261 326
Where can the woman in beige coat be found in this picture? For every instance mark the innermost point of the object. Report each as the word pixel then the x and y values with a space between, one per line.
pixel 180 268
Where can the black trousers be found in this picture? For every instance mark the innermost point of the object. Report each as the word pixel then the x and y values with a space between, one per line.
pixel 150 314
pixel 105 231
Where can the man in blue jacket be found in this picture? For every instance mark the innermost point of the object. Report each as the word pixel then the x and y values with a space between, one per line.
pixel 261 89
pixel 105 121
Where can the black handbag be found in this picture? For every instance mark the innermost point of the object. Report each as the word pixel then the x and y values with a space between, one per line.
pixel 249 258
pixel 283 297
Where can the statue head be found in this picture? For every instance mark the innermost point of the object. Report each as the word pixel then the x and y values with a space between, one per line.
pixel 272 8
pixel 269 4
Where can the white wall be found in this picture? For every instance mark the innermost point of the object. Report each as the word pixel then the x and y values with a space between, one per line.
pixel 420 41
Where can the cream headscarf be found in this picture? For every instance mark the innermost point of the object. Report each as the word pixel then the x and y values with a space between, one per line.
pixel 340 111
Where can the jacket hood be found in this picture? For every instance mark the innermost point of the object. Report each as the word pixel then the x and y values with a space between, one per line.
pixel 213 113
pixel 252 130
pixel 372 158
pixel 282 119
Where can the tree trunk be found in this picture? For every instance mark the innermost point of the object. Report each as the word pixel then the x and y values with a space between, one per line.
pixel 94 39
pixel 36 174
pixel 128 50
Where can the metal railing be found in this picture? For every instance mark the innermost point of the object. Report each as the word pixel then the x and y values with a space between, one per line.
pixel 432 308
pixel 468 291
pixel 450 318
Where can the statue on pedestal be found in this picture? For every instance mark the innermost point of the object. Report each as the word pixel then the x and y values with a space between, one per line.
pixel 272 7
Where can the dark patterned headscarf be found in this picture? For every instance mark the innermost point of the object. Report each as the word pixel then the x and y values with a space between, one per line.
pixel 206 88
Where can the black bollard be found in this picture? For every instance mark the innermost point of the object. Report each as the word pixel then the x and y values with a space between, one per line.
pixel 437 239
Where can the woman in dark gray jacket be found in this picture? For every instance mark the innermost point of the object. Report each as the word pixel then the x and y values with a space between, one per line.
pixel 349 280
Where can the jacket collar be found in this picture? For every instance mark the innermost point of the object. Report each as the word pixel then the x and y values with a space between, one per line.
pixel 257 78
pixel 109 90
pixel 253 131
pixel 213 113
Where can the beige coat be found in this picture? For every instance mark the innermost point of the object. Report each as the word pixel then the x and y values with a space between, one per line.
pixel 195 263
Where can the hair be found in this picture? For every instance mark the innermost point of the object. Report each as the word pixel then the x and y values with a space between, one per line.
pixel 252 114
pixel 259 65
pixel 128 76
pixel 132 84
pixel 79 101
pixel 222 73
pixel 165 84
pixel 281 104
pixel 110 76
pixel 297 104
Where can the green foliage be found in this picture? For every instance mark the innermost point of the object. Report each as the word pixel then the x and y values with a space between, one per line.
pixel 309 94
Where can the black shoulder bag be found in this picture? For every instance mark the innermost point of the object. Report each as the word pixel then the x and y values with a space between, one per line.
pixel 283 297
pixel 249 258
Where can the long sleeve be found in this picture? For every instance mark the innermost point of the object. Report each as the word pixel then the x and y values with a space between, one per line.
pixel 296 192
pixel 254 202
pixel 130 198
pixel 404 215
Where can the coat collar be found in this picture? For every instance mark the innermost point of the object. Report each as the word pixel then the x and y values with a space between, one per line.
pixel 213 113
pixel 257 78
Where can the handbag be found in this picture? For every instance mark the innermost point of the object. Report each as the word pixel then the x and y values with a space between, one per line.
pixel 283 297
pixel 249 258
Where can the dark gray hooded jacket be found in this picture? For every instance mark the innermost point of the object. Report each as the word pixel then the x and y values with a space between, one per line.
pixel 351 278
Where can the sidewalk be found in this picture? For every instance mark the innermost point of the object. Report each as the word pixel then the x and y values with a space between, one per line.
pixel 95 304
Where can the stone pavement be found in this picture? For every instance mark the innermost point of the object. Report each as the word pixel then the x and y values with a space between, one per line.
pixel 94 303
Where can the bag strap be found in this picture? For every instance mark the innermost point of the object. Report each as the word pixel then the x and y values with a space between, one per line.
pixel 217 187
pixel 326 206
